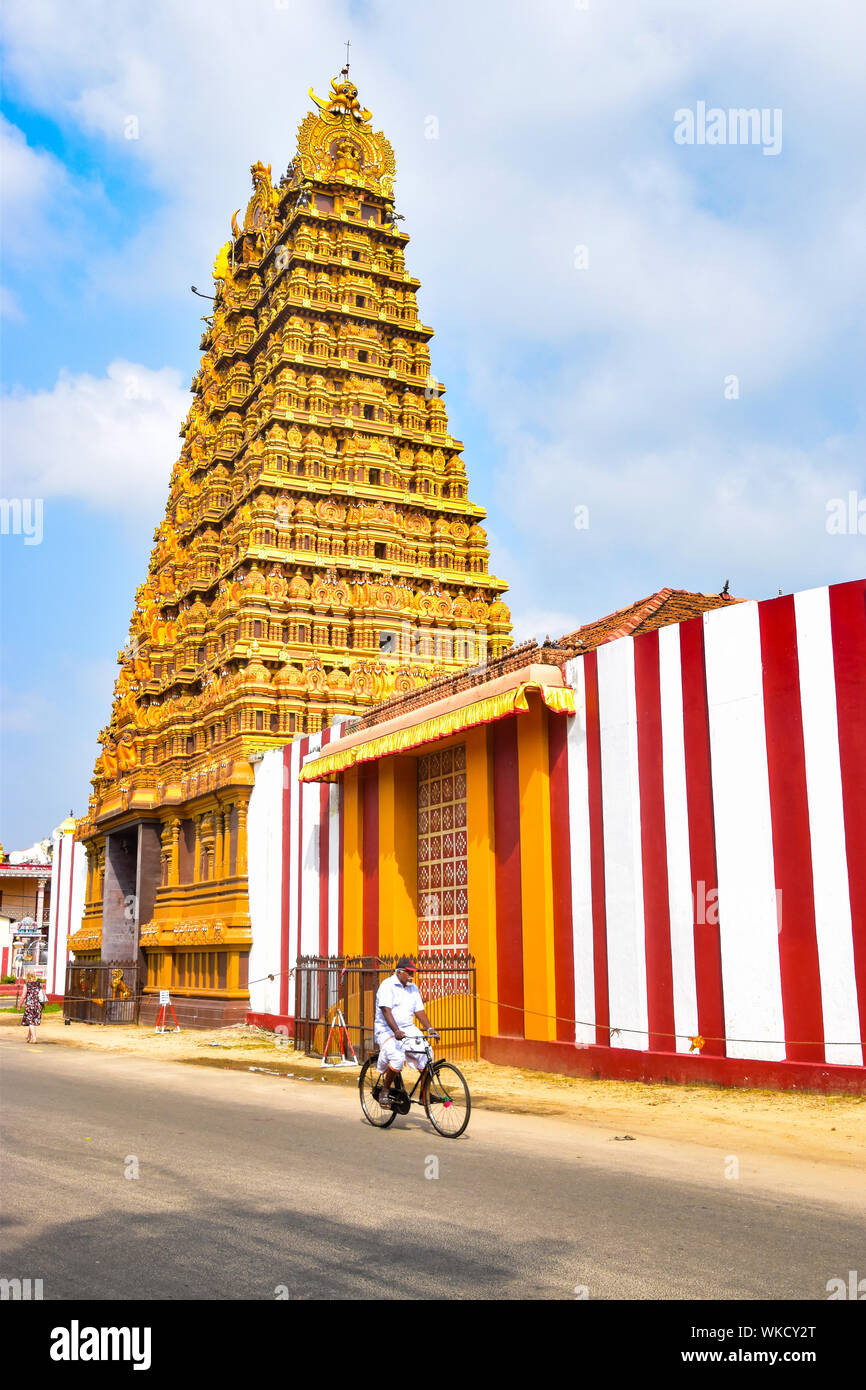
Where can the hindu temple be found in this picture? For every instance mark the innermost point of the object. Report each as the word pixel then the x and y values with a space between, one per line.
pixel 319 550
pixel 648 836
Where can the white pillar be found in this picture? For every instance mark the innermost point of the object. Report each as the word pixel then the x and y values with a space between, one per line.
pixel 40 903
pixel 68 883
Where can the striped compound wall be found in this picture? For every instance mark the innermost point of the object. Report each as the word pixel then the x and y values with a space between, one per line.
pixel 713 787
pixel 679 869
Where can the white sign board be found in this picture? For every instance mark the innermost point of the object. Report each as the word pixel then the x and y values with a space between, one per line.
pixel 164 997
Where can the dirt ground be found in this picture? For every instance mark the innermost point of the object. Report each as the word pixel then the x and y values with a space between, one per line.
pixel 804 1125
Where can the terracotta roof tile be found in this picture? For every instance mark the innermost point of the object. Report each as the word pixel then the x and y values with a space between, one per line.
pixel 645 615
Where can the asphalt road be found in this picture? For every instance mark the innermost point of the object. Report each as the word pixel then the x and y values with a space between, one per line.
pixel 251 1186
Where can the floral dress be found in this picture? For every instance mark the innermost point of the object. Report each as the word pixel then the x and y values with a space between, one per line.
pixel 32 1006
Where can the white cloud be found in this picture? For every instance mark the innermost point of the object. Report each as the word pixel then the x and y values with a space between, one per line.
pixel 689 517
pixel 108 441
pixel 602 386
pixel 25 173
pixel 45 211
pixel 130 105
pixel 33 185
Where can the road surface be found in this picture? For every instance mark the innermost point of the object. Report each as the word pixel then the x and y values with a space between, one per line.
pixel 256 1187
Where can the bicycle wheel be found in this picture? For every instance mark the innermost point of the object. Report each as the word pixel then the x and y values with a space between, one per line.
pixel 447 1102
pixel 368 1082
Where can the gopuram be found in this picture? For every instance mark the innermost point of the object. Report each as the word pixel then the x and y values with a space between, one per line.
pixel 318 553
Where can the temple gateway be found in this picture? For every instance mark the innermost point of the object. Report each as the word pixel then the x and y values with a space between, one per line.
pixel 648 834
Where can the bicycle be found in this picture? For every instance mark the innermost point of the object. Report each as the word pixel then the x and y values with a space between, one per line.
pixel 445 1097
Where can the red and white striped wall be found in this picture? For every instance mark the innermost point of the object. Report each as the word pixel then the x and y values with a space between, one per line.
pixel 707 854
pixel 68 885
pixel 294 856
pixel 717 830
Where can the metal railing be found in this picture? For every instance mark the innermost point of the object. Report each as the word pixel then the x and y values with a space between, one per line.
pixel 102 991
pixel 324 984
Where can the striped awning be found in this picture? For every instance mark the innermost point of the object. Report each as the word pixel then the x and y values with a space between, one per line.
pixel 326 766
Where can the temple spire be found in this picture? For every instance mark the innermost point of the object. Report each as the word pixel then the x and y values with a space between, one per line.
pixel 319 550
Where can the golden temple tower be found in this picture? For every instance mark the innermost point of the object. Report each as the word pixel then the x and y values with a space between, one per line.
pixel 318 550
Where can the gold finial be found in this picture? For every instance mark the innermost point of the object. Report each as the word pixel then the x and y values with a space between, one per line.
pixel 343 100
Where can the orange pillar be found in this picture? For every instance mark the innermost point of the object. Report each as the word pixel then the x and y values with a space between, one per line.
pixel 536 873
pixel 482 876
pixel 398 855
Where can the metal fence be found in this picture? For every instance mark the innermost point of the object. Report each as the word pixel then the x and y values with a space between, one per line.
pixel 102 991
pixel 324 984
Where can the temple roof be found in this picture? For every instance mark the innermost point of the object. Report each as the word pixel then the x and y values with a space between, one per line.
pixel 645 615
pixel 449 709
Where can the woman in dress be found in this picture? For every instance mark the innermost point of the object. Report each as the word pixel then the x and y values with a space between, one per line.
pixel 34 998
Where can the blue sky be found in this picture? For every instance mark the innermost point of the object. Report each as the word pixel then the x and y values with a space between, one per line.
pixel 601 386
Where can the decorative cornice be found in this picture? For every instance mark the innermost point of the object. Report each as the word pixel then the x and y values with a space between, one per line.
pixel 211 932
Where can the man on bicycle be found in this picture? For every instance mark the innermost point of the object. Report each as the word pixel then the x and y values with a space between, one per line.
pixel 398 1003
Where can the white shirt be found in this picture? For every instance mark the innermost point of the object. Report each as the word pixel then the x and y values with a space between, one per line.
pixel 404 1001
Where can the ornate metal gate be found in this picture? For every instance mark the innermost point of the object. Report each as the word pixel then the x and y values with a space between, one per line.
pixel 102 992
pixel 325 983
